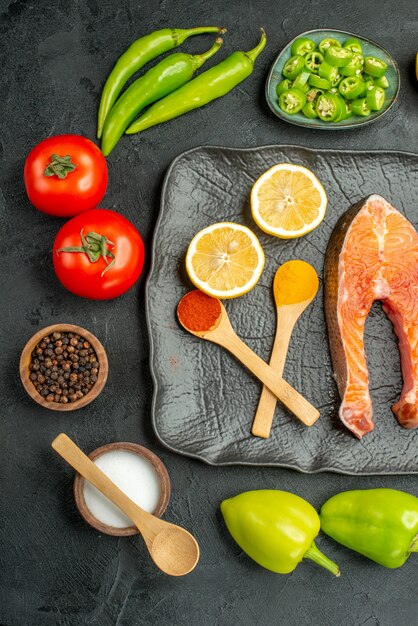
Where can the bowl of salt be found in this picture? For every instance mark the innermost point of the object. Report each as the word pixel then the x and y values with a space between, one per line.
pixel 138 472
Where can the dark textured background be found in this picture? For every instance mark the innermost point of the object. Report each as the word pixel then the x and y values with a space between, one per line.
pixel 55 570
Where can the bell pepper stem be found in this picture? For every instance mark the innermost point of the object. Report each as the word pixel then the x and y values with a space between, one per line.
pixel 199 59
pixel 253 54
pixel 319 558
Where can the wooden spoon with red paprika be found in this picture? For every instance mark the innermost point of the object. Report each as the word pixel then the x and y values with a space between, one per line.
pixel 206 317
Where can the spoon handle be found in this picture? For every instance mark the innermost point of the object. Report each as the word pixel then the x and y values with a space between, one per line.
pixel 84 466
pixel 267 404
pixel 291 398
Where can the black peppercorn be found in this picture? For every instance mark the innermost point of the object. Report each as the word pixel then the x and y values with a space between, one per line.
pixel 63 368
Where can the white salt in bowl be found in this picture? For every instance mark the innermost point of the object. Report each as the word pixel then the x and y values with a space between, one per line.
pixel 138 472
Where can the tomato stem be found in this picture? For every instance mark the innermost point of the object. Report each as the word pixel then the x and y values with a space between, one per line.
pixel 60 166
pixel 96 246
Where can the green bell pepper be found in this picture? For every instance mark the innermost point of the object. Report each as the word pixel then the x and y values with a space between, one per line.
pixel 318 82
pixel 374 67
pixel 275 528
pixel 283 86
pixel 360 107
pixel 292 101
pixel 313 60
pixel 326 43
pixel 293 66
pixel 353 45
pixel 375 98
pixel 338 56
pixel 351 87
pixel 302 45
pixel 381 524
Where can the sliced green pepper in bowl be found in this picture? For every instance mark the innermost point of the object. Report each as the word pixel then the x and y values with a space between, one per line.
pixel 351 87
pixel 292 101
pixel 360 107
pixel 328 107
pixel 354 45
pixel 302 45
pixel 293 66
pixel 374 67
pixel 338 56
pixel 375 98
pixel 326 43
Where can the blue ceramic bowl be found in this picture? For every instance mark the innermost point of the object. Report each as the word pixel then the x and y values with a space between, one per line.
pixel 369 49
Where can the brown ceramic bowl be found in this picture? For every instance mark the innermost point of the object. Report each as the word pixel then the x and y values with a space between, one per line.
pixel 25 360
pixel 160 470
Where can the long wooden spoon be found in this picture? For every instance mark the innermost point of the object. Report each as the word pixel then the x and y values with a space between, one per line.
pixel 174 550
pixel 295 285
pixel 222 333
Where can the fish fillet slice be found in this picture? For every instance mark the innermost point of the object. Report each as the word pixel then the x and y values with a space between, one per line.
pixel 372 255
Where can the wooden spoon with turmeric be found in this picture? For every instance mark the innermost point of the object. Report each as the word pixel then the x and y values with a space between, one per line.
pixel 295 286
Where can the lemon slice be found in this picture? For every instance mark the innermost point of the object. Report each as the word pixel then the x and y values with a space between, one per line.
pixel 288 201
pixel 225 260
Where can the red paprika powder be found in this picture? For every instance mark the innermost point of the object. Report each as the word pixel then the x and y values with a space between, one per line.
pixel 197 311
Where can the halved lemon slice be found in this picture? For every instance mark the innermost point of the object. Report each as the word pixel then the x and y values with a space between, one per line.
pixel 225 260
pixel 288 201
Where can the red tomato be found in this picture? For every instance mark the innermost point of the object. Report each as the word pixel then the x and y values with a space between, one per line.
pixel 99 280
pixel 82 188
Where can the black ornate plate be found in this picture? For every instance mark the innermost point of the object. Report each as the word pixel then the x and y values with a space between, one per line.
pixel 204 400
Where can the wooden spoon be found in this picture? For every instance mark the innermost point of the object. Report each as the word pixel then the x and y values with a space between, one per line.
pixel 295 285
pixel 223 334
pixel 174 550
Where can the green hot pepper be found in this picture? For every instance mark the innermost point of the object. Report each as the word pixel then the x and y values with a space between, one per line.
pixel 375 98
pixel 353 45
pixel 338 56
pixel 360 107
pixel 319 83
pixel 355 67
pixel 313 60
pixel 381 524
pixel 170 74
pixel 136 56
pixel 275 528
pixel 326 43
pixel 381 82
pixel 212 84
pixel 309 109
pixel 329 107
pixel 293 67
pixel 283 86
pixel 330 72
pixel 301 81
pixel 374 67
pixel 302 45
pixel 292 101
pixel 351 87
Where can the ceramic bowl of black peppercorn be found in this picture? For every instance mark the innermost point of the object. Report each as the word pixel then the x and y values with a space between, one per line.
pixel 63 367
